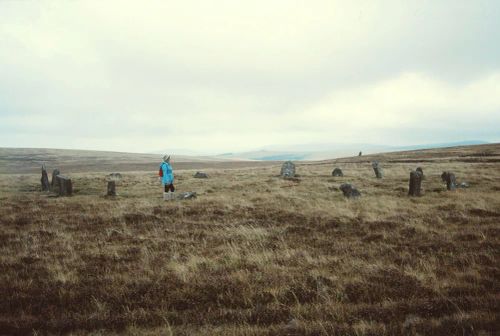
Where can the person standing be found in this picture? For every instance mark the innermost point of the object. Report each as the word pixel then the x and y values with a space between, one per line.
pixel 167 178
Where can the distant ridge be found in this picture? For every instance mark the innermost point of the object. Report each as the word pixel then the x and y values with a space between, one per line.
pixel 313 152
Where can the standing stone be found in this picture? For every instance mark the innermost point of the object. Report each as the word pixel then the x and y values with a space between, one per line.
pixel 288 169
pixel 337 172
pixel 349 190
pixel 65 185
pixel 449 178
pixel 415 184
pixel 421 171
pixel 360 153
pixel 377 169
pixel 111 188
pixel 200 175
pixel 53 184
pixel 45 179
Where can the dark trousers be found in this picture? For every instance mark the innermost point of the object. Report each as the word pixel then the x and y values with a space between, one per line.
pixel 169 187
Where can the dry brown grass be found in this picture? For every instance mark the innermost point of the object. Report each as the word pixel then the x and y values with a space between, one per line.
pixel 254 254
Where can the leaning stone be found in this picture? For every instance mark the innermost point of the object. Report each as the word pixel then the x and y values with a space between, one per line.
pixel 450 180
pixel 288 169
pixel 415 188
pixel 186 195
pixel 53 184
pixel 200 175
pixel 349 190
pixel 65 185
pixel 111 188
pixel 377 169
pixel 45 179
pixel 337 172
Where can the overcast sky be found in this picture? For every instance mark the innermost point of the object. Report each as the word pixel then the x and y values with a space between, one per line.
pixel 218 76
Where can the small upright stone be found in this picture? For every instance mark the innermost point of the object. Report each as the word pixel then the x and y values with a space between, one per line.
pixel 377 169
pixel 65 185
pixel 450 180
pixel 415 188
pixel 349 190
pixel 111 188
pixel 45 179
pixel 360 153
pixel 53 184
pixel 200 175
pixel 337 172
pixel 288 169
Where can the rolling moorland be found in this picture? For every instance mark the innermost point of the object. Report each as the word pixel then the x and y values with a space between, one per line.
pixel 254 254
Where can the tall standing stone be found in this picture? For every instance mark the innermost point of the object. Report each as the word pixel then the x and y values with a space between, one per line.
pixel 377 169
pixel 415 188
pixel 45 179
pixel 337 172
pixel 65 185
pixel 288 169
pixel 111 188
pixel 53 184
pixel 450 180
pixel 360 153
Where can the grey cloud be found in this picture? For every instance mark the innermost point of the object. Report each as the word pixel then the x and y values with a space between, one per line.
pixel 237 75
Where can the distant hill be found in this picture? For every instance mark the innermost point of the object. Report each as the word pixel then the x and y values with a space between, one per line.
pixel 29 160
pixel 313 152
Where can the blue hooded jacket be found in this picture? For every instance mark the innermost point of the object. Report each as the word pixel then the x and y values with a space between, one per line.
pixel 168 173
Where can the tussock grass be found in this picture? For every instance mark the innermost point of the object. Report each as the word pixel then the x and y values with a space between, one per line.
pixel 254 254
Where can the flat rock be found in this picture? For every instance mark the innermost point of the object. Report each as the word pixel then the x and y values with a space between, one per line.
pixel 186 195
pixel 200 175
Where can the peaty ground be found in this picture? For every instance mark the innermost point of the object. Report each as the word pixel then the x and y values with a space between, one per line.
pixel 256 254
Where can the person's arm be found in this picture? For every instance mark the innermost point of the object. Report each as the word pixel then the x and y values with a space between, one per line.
pixel 171 174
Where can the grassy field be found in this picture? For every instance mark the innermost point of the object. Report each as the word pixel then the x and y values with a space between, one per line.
pixel 255 254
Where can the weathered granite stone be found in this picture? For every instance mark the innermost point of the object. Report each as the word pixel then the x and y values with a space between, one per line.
pixel 111 188
pixel 421 171
pixel 45 179
pixel 349 190
pixel 65 185
pixel 288 169
pixel 377 169
pixel 186 195
pixel 450 180
pixel 337 172
pixel 53 184
pixel 200 175
pixel 415 188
